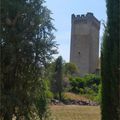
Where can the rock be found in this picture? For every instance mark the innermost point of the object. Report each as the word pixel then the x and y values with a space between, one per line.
pixel 72 102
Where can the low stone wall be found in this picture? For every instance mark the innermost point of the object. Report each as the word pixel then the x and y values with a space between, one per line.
pixel 73 102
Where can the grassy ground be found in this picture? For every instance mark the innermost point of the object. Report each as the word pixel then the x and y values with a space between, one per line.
pixel 72 112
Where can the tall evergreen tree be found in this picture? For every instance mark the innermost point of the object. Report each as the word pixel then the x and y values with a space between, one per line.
pixel 57 83
pixel 111 63
pixel 26 45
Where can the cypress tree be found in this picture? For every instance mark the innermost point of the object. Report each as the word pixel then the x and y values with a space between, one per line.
pixel 110 63
pixel 57 83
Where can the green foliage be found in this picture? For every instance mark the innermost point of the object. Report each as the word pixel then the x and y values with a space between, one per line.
pixel 70 69
pixel 87 85
pixel 41 101
pixel 57 82
pixel 98 97
pixel 91 79
pixel 76 84
pixel 110 63
pixel 26 46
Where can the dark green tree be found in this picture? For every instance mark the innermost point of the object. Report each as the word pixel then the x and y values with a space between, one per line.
pixel 57 82
pixel 26 45
pixel 110 63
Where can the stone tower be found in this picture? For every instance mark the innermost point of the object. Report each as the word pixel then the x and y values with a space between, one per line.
pixel 84 51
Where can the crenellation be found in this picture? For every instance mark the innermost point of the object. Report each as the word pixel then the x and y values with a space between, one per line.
pixel 89 14
pixel 89 17
pixel 73 16
pixel 82 16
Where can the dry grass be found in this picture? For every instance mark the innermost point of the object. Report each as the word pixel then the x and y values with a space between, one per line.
pixel 72 112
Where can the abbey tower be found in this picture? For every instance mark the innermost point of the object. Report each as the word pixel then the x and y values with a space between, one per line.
pixel 84 50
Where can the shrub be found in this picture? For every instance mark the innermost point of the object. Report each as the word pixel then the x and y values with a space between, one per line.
pixel 88 85
pixel 76 84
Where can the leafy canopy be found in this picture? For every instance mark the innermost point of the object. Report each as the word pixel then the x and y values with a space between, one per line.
pixel 26 46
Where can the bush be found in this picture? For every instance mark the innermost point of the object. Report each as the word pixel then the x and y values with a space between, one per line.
pixel 88 85
pixel 91 79
pixel 76 84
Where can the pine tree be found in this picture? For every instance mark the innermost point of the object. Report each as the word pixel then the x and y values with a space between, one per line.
pixel 111 63
pixel 26 45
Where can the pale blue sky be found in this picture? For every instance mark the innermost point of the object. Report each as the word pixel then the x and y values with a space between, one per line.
pixel 62 10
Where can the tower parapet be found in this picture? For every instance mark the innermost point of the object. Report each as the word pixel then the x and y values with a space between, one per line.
pixel 85 18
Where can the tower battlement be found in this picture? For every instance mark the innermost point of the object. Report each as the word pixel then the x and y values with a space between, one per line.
pixel 85 18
